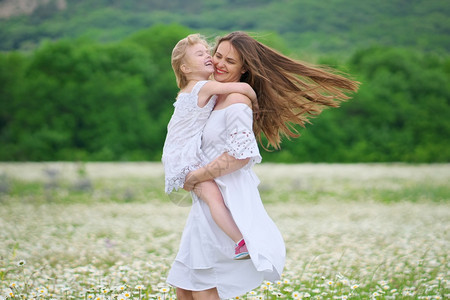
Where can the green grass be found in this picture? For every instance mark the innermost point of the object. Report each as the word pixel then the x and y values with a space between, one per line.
pixel 347 237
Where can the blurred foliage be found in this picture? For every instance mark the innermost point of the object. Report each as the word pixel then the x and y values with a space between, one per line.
pixel 81 100
pixel 85 83
pixel 308 26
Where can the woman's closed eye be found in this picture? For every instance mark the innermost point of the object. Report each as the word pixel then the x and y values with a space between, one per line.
pixel 227 60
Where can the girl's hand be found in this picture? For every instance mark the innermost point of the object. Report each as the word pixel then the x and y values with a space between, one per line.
pixel 190 182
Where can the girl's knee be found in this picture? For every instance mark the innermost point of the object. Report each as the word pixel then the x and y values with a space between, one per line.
pixel 208 191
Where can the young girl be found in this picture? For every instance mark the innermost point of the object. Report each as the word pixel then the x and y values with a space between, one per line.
pixel 192 64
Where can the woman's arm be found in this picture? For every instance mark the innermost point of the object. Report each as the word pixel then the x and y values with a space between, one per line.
pixel 222 165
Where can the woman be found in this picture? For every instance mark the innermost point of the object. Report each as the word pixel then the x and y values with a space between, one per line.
pixel 288 91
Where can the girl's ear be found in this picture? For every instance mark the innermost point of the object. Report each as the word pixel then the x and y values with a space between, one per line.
pixel 184 68
pixel 243 71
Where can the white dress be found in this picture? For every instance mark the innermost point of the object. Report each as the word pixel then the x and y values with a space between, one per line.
pixel 205 258
pixel 181 152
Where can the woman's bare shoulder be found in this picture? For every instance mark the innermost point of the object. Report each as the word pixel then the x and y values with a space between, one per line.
pixel 234 98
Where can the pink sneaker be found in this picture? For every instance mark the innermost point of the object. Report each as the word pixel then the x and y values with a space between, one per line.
pixel 240 251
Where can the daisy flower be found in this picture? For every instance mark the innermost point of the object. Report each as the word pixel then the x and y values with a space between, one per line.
pixel 268 283
pixel 121 288
pixel 127 294
pixel 21 263
pixel 10 293
pixel 42 291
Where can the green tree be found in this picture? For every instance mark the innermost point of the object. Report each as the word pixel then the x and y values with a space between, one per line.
pixel 158 41
pixel 82 100
pixel 12 66
pixel 403 105
pixel 400 113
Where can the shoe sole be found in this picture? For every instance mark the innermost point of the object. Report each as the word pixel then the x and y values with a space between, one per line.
pixel 242 256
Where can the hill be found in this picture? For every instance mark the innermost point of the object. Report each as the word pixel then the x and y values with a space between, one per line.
pixel 308 26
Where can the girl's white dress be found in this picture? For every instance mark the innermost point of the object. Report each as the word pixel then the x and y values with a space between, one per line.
pixel 205 258
pixel 181 152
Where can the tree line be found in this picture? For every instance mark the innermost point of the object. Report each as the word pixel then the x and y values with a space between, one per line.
pixel 79 99
pixel 308 26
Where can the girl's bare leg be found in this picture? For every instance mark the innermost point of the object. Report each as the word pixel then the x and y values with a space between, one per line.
pixel 209 192
pixel 210 294
pixel 184 294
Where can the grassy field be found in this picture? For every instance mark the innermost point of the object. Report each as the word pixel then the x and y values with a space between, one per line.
pixel 107 231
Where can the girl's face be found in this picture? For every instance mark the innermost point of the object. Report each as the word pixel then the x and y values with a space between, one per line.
pixel 198 60
pixel 227 63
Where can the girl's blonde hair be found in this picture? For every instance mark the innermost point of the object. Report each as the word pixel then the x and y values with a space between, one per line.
pixel 289 92
pixel 178 53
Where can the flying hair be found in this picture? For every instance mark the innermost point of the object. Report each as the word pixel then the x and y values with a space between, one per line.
pixel 289 92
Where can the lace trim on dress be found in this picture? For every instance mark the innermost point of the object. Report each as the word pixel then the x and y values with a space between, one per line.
pixel 177 182
pixel 242 144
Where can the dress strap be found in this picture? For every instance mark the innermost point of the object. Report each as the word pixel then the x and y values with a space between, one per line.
pixel 198 86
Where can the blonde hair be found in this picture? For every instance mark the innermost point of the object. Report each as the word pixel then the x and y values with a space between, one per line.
pixel 178 53
pixel 289 92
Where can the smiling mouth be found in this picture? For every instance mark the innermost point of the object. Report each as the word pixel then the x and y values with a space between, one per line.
pixel 208 63
pixel 218 71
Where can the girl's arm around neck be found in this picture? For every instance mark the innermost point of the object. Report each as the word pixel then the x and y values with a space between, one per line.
pixel 222 165
pixel 222 88
pixel 227 100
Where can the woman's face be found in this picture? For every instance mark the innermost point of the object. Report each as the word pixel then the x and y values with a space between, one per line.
pixel 227 63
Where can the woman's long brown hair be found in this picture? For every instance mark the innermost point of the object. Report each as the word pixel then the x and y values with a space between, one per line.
pixel 289 92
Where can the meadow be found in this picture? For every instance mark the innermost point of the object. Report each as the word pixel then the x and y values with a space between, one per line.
pixel 107 231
